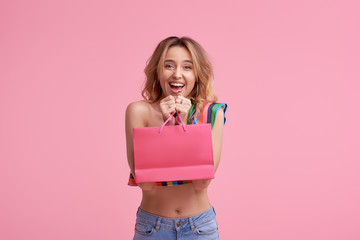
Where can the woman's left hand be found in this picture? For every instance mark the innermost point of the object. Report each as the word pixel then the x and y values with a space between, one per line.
pixel 182 107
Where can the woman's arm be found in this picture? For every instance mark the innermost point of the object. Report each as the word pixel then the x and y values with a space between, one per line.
pixel 217 135
pixel 136 113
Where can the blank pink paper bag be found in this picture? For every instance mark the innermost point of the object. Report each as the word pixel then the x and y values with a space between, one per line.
pixel 173 153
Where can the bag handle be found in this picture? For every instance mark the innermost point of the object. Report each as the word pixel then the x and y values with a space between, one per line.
pixel 170 119
pixel 181 121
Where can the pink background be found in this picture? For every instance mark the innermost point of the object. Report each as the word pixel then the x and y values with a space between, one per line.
pixel 289 71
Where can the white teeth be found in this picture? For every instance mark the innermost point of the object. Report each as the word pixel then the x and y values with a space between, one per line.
pixel 177 84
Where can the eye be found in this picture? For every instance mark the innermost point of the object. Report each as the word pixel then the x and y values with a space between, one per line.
pixel 188 67
pixel 169 66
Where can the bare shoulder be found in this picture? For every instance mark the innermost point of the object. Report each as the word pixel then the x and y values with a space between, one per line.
pixel 137 112
pixel 139 107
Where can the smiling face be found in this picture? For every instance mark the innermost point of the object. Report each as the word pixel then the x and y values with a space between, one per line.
pixel 177 76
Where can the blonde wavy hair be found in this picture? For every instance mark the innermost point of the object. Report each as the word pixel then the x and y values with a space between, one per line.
pixel 203 90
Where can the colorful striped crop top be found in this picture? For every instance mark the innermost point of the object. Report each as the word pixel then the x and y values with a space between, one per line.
pixel 207 115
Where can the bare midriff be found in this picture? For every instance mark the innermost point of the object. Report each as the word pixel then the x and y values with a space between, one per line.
pixel 175 201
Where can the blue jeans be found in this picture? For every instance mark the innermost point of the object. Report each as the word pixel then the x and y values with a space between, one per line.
pixel 202 226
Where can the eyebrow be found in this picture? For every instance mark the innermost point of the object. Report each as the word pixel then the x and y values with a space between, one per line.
pixel 170 60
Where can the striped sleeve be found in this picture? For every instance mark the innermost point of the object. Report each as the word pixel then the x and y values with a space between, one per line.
pixel 212 111
pixel 207 115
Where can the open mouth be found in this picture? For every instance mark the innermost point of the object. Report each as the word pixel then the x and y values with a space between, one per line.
pixel 176 87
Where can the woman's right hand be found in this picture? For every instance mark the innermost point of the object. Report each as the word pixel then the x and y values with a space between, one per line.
pixel 167 107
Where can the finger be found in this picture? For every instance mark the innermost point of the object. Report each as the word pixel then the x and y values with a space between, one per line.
pixel 183 100
pixel 167 99
pixel 182 113
pixel 170 98
pixel 172 111
pixel 167 103
pixel 180 97
pixel 168 112
pixel 180 108
pixel 186 105
pixel 168 108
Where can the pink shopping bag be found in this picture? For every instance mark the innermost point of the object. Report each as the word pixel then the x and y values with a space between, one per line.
pixel 173 153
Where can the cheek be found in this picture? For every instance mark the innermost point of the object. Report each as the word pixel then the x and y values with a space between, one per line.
pixel 190 86
pixel 163 77
pixel 162 85
pixel 162 80
pixel 191 81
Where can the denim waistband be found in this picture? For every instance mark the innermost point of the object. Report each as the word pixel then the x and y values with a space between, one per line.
pixel 175 223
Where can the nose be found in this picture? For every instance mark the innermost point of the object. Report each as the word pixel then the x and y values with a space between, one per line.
pixel 177 73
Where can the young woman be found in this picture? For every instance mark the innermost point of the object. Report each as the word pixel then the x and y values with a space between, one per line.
pixel 178 81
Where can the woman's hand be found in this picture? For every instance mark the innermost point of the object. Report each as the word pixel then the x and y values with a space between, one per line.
pixel 182 107
pixel 167 107
pixel 171 105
